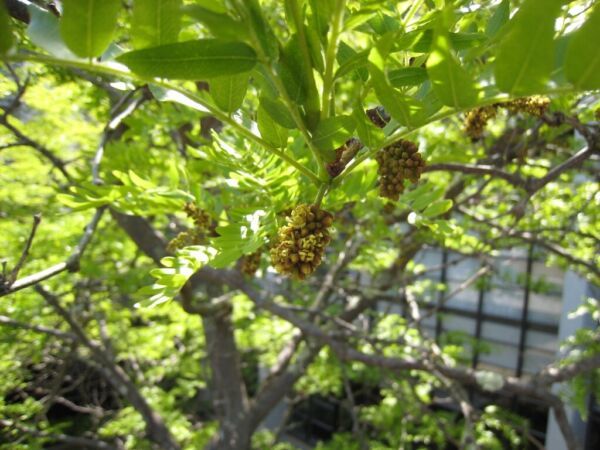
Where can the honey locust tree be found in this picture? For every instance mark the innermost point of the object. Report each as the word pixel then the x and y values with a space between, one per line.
pixel 202 203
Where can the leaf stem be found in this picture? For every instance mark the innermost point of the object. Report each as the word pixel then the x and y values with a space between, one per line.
pixel 321 193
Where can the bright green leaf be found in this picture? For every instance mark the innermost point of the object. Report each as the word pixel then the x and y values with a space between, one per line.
pixel 269 130
pixel 220 25
pixel 498 19
pixel 582 64
pixel 87 26
pixel 452 83
pixel 437 208
pixel 175 273
pixel 229 92
pixel 278 112
pixel 155 22
pixel 333 132
pixel 407 76
pixel 192 60
pixel 526 54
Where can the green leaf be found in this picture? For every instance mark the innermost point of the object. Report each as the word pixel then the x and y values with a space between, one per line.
pixel 368 133
pixel 498 19
pixel 407 76
pixel 526 54
pixel 314 45
pixel 291 70
pixel 191 60
pixel 175 273
pixel 420 41
pixel 582 64
pixel 87 26
pixel 169 95
pixel 427 198
pixel 333 132
pixel 269 130
pixel 229 92
pixel 243 235
pixel 220 25
pixel 264 33
pixel 278 112
pixel 44 31
pixel 437 208
pixel 155 22
pixel 404 109
pixel 452 83
pixel 6 37
pixel 352 61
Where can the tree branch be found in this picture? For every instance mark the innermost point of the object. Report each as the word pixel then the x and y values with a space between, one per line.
pixel 156 429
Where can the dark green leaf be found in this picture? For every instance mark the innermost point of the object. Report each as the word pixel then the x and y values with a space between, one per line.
pixel 270 131
pixel 220 25
pixel 498 19
pixel 368 133
pixel 278 112
pixel 228 92
pixel 404 109
pixel 352 61
pixel 6 37
pixel 582 64
pixel 451 82
pixel 155 22
pixel 87 26
pixel 382 23
pixel 314 45
pixel 407 76
pixel 333 132
pixel 264 32
pixel 192 60
pixel 526 54
pixel 291 69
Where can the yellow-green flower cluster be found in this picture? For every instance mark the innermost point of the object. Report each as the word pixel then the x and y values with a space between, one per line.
pixel 196 235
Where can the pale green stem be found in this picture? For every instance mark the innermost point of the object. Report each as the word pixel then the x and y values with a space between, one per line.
pixel 293 109
pixel 113 71
pixel 322 191
pixel 332 42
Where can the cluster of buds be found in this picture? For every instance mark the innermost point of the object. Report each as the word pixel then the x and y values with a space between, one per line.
pixel 398 162
pixel 250 263
pixel 196 235
pixel 301 244
pixel 536 105
pixel 477 119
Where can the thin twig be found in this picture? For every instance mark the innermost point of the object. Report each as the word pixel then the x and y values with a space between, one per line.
pixel 37 218
pixel 71 264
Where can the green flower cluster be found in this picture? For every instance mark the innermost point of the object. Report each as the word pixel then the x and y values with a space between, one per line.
pixel 398 162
